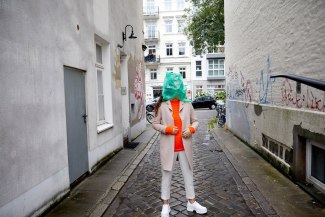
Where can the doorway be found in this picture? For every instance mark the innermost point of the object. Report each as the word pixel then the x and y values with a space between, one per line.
pixel 75 106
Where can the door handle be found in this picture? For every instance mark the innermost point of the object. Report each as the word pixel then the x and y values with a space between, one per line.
pixel 85 118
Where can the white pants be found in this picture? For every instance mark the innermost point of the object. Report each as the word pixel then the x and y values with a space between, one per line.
pixel 187 175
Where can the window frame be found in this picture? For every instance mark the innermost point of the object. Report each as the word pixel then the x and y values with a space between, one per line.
pixel 182 71
pixel 196 89
pixel 168 26
pixel 152 49
pixel 317 183
pixel 100 68
pixel 180 25
pixel 106 122
pixel 180 4
pixel 181 45
pixel 216 70
pixel 168 5
pixel 196 70
pixel 169 69
pixel 153 72
pixel 212 87
pixel 169 50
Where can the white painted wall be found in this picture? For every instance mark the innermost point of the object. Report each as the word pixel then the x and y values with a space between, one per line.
pixel 264 38
pixel 37 40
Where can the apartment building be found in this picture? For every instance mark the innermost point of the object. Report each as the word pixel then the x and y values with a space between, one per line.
pixel 168 49
pixel 208 72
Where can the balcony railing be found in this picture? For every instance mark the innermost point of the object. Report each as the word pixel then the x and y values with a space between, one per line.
pixel 151 35
pixel 151 58
pixel 150 12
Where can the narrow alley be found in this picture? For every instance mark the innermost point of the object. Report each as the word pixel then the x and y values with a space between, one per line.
pixel 218 185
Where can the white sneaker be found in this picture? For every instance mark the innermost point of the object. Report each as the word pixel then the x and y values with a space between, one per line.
pixel 165 210
pixel 196 207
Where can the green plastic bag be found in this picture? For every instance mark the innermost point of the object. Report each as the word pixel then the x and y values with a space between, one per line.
pixel 174 87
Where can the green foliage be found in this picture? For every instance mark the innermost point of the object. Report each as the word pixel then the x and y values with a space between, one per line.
pixel 212 123
pixel 201 94
pixel 221 96
pixel 205 24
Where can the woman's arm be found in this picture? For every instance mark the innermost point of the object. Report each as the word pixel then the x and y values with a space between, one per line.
pixel 156 124
pixel 193 119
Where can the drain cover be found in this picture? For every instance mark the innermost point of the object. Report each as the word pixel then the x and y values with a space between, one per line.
pixel 131 145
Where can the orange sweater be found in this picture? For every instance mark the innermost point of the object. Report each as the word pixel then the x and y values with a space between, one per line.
pixel 178 146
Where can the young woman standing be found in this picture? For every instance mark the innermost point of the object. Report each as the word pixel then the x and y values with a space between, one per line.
pixel 176 121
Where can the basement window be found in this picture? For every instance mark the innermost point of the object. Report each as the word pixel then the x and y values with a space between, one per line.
pixel 315 167
pixel 282 152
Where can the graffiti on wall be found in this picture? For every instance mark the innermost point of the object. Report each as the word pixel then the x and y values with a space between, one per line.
pixel 265 85
pixel 137 97
pixel 241 88
pixel 139 89
pixel 308 100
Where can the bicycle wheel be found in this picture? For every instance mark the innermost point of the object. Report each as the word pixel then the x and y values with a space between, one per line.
pixel 149 117
pixel 221 122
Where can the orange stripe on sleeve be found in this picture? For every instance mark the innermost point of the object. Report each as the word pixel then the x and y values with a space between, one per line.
pixel 191 129
pixel 169 129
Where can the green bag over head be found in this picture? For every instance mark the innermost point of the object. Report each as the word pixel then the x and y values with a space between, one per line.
pixel 174 87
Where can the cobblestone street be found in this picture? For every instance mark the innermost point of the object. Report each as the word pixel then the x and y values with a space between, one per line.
pixel 218 186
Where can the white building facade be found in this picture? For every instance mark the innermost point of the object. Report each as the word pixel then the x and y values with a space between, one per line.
pixel 65 75
pixel 168 49
pixel 281 118
pixel 208 72
pixel 167 46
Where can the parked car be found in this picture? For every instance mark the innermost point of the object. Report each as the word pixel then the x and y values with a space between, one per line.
pixel 150 105
pixel 204 102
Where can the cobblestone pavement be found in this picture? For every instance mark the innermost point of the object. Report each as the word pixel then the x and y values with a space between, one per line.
pixel 217 184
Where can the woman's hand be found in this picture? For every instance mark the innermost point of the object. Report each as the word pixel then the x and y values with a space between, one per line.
pixel 175 130
pixel 186 133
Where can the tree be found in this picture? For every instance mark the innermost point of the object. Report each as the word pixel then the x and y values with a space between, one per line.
pixel 205 27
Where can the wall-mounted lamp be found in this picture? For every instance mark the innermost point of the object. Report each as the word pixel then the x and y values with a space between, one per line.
pixel 132 36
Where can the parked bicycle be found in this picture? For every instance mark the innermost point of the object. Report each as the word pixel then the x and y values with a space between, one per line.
pixel 149 116
pixel 221 115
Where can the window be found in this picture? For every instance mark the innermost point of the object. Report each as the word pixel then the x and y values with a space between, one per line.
pixel 156 91
pixel 99 52
pixel 180 4
pixel 182 71
pixel 169 49
pixel 168 25
pixel 100 91
pixel 151 28
pixel 150 6
pixel 168 5
pixel 198 68
pixel 152 49
pixel 316 164
pixel 212 89
pixel 100 94
pixel 153 74
pixel 181 24
pixel 181 47
pixel 169 69
pixel 103 94
pixel 198 89
pixel 216 68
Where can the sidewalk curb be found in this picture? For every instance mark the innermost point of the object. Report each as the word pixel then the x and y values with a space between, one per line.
pixel 246 186
pixel 106 199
